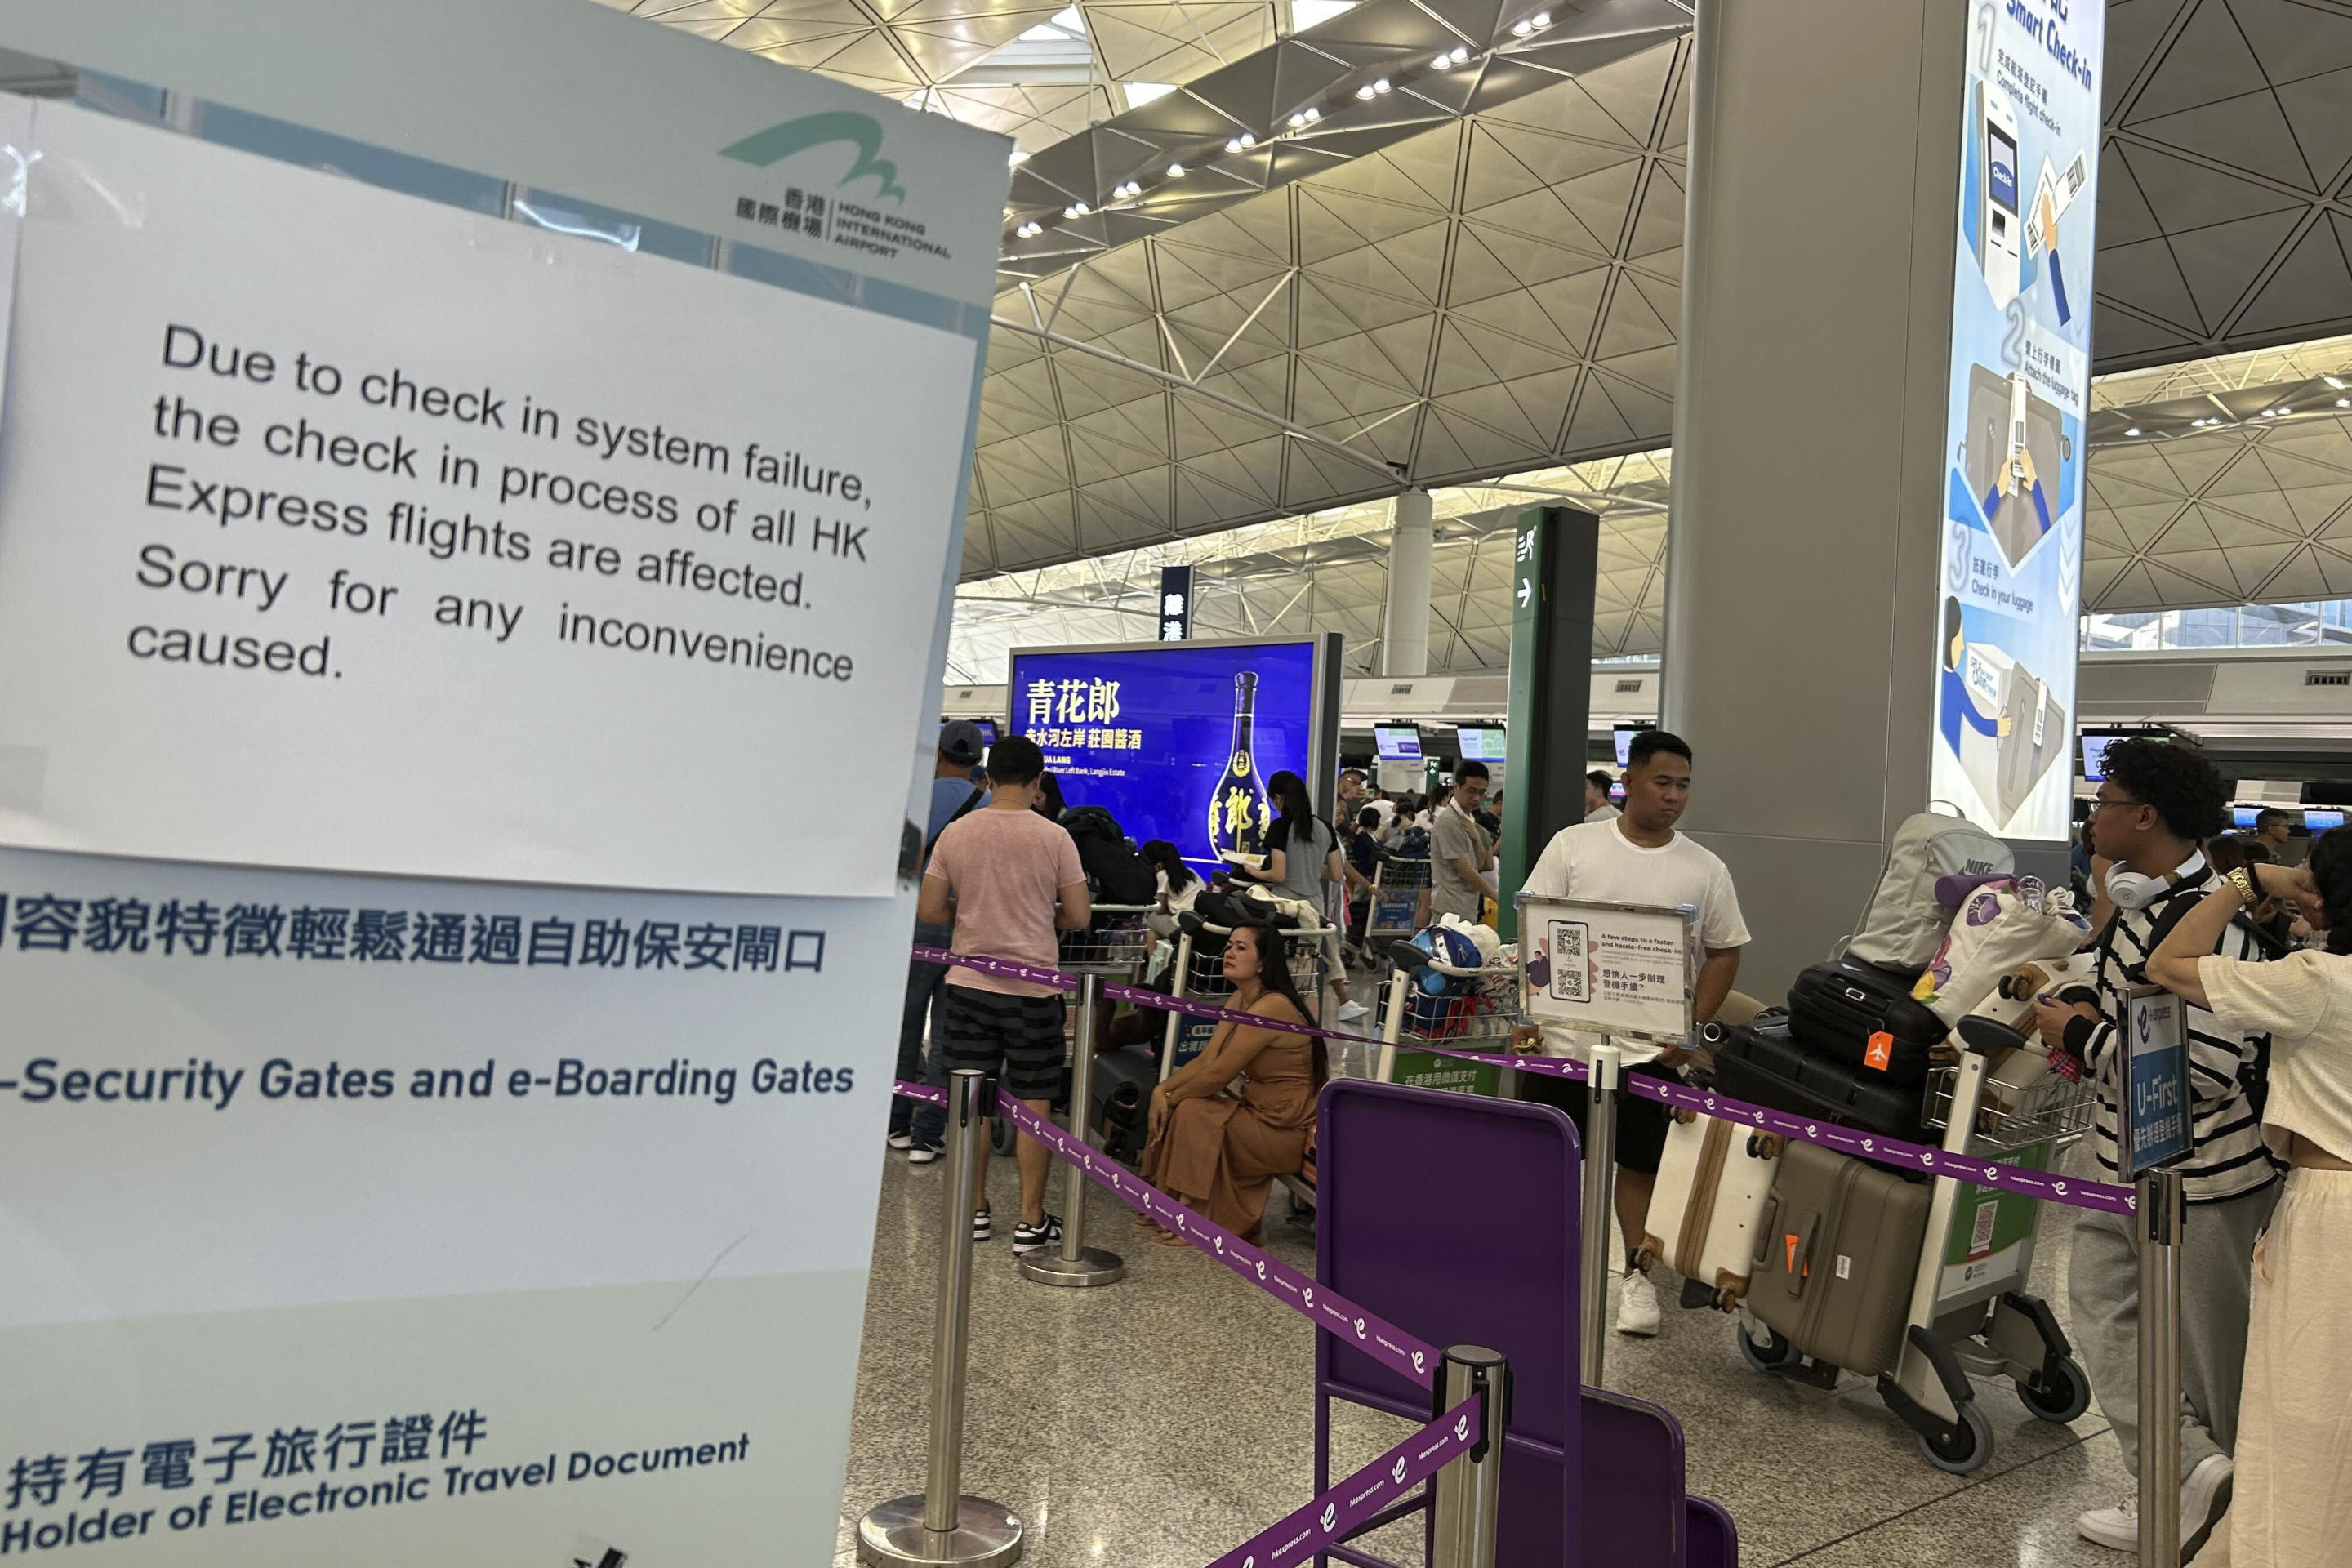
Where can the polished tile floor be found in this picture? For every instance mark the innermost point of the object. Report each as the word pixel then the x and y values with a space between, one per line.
pixel 1156 1421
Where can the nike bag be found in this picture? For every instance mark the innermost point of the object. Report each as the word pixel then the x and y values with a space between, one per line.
pixel 1907 918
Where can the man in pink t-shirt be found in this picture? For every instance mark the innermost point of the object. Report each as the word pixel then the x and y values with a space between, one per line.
pixel 1008 879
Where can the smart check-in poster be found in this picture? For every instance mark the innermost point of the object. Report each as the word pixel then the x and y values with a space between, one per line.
pixel 2011 559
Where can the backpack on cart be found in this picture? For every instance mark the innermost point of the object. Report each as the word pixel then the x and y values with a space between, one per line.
pixel 1115 872
pixel 1907 916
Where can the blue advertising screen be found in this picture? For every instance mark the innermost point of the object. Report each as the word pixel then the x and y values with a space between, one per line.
pixel 1176 742
pixel 1397 743
pixel 2245 815
pixel 2322 821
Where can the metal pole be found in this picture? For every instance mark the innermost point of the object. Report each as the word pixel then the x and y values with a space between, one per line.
pixel 1079 1265
pixel 939 1525
pixel 1465 1498
pixel 1599 1204
pixel 2161 1217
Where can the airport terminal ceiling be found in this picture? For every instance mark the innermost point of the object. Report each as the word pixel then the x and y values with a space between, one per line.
pixel 1473 272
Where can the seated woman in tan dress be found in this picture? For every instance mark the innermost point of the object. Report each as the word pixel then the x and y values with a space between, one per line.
pixel 2293 1503
pixel 1236 1116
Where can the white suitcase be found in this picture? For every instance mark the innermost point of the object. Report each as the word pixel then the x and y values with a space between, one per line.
pixel 1709 1197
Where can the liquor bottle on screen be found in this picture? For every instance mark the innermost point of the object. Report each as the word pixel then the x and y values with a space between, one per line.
pixel 1238 812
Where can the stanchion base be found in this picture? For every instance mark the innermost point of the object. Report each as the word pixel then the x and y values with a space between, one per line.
pixel 1092 1266
pixel 893 1533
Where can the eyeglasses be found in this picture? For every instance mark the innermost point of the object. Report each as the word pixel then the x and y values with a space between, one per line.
pixel 2100 803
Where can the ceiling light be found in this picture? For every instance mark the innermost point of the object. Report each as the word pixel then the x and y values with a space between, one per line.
pixel 2333 381
pixel 1248 139
pixel 1442 62
pixel 1381 85
pixel 1175 171
pixel 1075 209
pixel 2344 403
pixel 1542 18
pixel 1297 120
pixel 2133 431
pixel 1522 27
pixel 1313 114
pixel 1460 52
pixel 1234 145
pixel 1365 91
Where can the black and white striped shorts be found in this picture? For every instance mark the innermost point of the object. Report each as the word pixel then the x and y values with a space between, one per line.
pixel 1018 1038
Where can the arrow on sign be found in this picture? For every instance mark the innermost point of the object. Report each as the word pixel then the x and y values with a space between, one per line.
pixel 1527 592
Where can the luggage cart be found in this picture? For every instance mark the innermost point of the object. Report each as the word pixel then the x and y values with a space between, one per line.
pixel 1200 978
pixel 1399 897
pixel 1970 1310
pixel 1476 1011
pixel 1113 945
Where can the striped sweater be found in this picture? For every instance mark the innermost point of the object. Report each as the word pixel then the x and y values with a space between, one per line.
pixel 2229 1159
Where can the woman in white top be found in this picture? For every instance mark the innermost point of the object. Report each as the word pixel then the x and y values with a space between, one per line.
pixel 1180 886
pixel 2292 1502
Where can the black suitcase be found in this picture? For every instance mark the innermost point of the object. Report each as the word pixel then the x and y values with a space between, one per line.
pixel 1838 1008
pixel 1764 1064
pixel 1123 1082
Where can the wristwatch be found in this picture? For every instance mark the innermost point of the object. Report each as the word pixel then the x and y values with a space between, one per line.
pixel 2242 880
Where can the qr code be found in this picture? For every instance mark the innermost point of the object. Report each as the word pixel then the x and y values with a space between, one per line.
pixel 1572 970
pixel 1980 1237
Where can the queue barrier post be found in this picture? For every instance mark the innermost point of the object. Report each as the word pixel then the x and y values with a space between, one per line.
pixel 1600 1205
pixel 940 1527
pixel 1465 1496
pixel 1079 1266
pixel 2161 1217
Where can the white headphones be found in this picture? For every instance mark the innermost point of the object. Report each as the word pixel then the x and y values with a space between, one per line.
pixel 2130 890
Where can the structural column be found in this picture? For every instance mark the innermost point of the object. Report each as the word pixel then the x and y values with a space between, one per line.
pixel 1811 496
pixel 1405 628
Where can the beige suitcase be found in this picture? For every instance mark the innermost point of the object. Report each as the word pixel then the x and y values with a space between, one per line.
pixel 1836 1257
pixel 1713 1181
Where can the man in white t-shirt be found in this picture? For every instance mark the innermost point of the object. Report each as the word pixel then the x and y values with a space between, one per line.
pixel 1639 858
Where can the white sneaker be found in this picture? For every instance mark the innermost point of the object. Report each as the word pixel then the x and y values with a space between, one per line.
pixel 1352 1010
pixel 902 1140
pixel 2116 1527
pixel 2204 1497
pixel 1637 1306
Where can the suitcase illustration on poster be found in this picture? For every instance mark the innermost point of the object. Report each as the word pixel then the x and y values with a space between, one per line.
pixel 1836 1253
pixel 1713 1183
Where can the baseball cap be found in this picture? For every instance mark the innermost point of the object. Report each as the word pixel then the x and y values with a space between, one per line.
pixel 959 741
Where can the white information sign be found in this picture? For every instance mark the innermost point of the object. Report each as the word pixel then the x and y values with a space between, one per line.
pixel 1622 970
pixel 401 539
pixel 516 1209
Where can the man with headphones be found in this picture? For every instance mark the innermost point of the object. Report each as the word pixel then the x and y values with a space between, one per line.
pixel 2159 800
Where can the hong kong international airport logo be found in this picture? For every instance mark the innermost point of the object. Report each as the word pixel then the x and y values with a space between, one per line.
pixel 864 205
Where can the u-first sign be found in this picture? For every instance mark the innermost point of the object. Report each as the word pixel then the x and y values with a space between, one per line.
pixel 2152 1126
